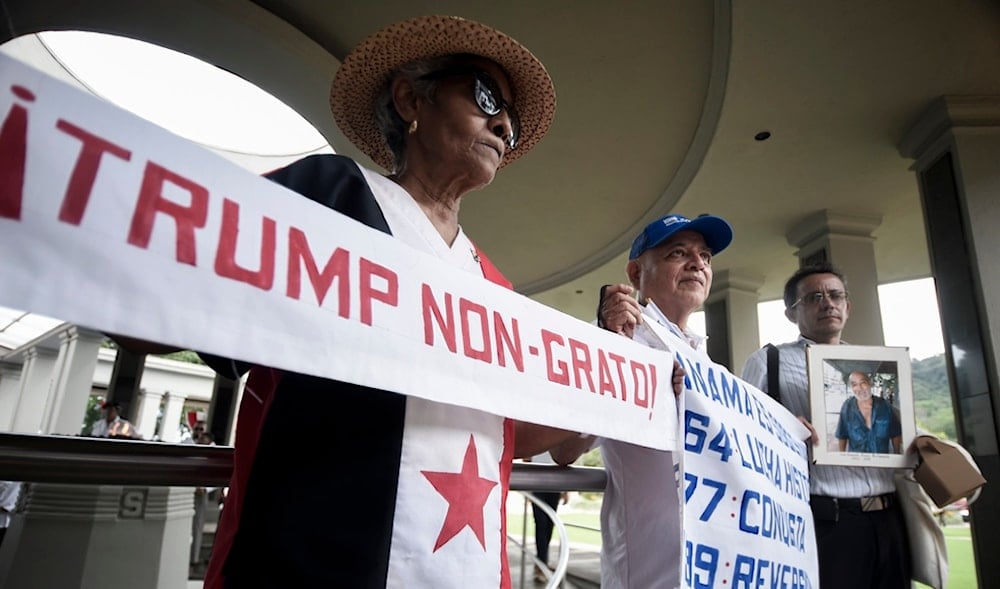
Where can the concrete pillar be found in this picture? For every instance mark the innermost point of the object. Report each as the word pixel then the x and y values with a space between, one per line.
pixel 172 413
pixel 36 385
pixel 10 386
pixel 73 380
pixel 845 240
pixel 124 384
pixel 226 395
pixel 731 317
pixel 105 536
pixel 956 145
pixel 149 410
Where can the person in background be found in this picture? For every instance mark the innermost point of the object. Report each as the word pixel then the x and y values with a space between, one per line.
pixel 9 493
pixel 543 523
pixel 196 431
pixel 112 424
pixel 202 496
pixel 442 103
pixel 670 269
pixel 860 535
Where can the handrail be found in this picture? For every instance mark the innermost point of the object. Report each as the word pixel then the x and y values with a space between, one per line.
pixel 99 461
pixel 555 577
pixel 547 477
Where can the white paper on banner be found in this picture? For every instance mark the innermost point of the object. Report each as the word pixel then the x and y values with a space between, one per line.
pixel 745 482
pixel 110 222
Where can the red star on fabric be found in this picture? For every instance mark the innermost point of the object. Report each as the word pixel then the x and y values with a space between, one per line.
pixel 466 494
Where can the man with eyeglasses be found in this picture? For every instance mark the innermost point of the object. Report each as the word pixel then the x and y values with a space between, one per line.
pixel 860 535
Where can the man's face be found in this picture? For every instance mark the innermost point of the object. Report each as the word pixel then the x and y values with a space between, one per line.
pixel 820 319
pixel 676 275
pixel 110 413
pixel 860 386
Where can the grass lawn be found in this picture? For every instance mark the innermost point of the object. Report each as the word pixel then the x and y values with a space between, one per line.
pixel 576 536
pixel 961 566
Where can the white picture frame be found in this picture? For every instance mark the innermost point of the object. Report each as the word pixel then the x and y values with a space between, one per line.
pixel 853 434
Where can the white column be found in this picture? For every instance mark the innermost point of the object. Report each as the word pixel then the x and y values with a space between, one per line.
pixel 74 380
pixel 149 409
pixel 734 297
pixel 10 386
pixel 172 411
pixel 36 385
pixel 845 240
pixel 104 536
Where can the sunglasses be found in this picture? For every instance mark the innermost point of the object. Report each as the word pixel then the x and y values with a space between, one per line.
pixel 487 96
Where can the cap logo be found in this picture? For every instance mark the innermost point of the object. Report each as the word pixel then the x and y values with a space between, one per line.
pixel 668 221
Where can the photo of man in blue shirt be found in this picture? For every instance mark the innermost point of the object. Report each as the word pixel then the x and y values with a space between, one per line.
pixel 868 423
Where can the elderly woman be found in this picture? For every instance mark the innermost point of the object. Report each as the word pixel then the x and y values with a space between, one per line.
pixel 337 485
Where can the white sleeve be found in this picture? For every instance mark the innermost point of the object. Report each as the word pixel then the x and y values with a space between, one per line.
pixel 755 369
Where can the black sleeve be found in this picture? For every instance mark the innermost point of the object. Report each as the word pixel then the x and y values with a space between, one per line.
pixel 227 367
pixel 600 304
pixel 773 371
pixel 336 182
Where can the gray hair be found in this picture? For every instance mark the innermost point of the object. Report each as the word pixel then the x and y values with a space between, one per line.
pixel 393 127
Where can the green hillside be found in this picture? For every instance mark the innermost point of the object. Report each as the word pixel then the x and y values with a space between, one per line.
pixel 932 397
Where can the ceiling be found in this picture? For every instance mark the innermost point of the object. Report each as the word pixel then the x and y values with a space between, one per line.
pixel 659 103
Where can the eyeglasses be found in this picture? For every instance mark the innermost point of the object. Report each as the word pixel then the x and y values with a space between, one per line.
pixel 815 299
pixel 487 96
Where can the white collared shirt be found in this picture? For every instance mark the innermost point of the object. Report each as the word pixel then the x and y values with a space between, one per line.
pixel 652 312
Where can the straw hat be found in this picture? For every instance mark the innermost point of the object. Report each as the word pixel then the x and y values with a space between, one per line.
pixel 365 69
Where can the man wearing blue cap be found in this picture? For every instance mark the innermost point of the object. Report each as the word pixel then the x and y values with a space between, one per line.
pixel 670 265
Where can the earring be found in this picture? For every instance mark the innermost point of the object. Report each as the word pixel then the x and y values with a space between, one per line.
pixel 413 127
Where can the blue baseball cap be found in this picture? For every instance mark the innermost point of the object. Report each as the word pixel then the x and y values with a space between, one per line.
pixel 716 231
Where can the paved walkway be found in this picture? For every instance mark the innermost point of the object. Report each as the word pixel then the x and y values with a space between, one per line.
pixel 583 572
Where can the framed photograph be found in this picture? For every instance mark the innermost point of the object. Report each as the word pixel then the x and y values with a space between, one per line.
pixel 861 404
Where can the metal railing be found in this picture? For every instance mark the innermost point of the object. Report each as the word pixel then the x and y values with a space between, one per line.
pixel 98 461
pixel 81 460
pixel 554 578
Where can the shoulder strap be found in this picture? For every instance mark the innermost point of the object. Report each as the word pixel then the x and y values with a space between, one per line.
pixel 773 371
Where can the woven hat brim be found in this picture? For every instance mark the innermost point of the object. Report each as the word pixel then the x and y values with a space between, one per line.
pixel 364 71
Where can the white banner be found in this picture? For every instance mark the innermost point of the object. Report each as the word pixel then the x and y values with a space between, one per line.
pixel 110 222
pixel 745 482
